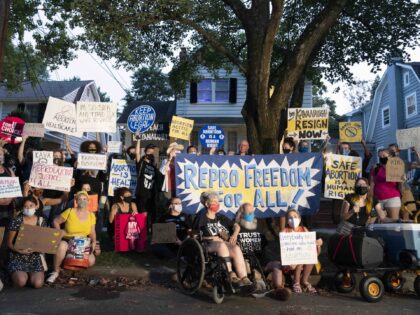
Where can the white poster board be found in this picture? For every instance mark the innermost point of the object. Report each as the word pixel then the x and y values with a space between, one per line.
pixel 10 187
pixel 96 117
pixel 114 147
pixel 51 177
pixel 43 157
pixel 88 161
pixel 33 130
pixel 60 116
pixel 298 248
pixel 407 138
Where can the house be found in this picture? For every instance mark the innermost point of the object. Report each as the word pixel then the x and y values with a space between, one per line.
pixel 394 106
pixel 33 101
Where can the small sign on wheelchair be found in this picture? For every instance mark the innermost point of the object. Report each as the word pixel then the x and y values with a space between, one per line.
pixel 141 119
pixel 298 248
pixel 212 136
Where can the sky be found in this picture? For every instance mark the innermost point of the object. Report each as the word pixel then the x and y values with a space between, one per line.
pixel 91 67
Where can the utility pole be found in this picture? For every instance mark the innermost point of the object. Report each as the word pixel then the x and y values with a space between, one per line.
pixel 4 27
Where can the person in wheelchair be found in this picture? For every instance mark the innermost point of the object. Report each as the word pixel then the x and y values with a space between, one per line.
pixel 220 235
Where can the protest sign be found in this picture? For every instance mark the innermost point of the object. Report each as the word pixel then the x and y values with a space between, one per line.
pixel 181 128
pixel 39 239
pixel 407 138
pixel 341 174
pixel 51 177
pixel 92 205
pixel 307 123
pixel 298 248
pixel 271 183
pixel 395 170
pixel 33 130
pixel 350 131
pixel 10 187
pixel 60 116
pixel 2 230
pixel 130 233
pixel 212 136
pixel 11 129
pixel 156 133
pixel 96 117
pixel 89 161
pixel 141 119
pixel 114 147
pixel 164 233
pixel 122 174
pixel 43 157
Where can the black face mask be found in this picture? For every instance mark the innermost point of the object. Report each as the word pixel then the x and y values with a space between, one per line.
pixel 286 151
pixel 150 157
pixel 58 161
pixel 127 199
pixel 361 190
pixel 132 156
pixel 383 160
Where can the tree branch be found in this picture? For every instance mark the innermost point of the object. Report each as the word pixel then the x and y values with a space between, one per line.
pixel 239 9
pixel 361 21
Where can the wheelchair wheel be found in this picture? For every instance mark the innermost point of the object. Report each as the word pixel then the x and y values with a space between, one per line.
pixel 190 266
pixel 417 286
pixel 393 281
pixel 344 282
pixel 217 295
pixel 372 289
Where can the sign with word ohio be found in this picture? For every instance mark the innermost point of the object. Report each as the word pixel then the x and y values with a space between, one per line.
pixel 307 123
pixel 141 119
pixel 212 136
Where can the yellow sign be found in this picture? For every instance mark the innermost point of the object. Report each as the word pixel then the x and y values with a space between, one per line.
pixel 181 128
pixel 307 123
pixel 350 131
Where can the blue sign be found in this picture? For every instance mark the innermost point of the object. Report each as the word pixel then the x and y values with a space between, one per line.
pixel 141 119
pixel 212 136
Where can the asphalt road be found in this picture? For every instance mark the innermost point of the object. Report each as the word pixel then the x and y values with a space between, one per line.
pixel 161 300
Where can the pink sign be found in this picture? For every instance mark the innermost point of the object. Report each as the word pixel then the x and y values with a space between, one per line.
pixel 11 129
pixel 130 232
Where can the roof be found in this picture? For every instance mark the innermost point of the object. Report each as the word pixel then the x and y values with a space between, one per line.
pixel 359 109
pixel 42 91
pixel 416 67
pixel 164 110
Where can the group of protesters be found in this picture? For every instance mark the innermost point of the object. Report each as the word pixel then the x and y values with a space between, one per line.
pixel 374 200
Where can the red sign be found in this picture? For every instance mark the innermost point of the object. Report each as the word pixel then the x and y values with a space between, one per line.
pixel 11 129
pixel 130 232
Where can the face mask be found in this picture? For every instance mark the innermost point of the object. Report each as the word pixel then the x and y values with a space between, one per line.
pixel 193 153
pixel 221 153
pixel 92 151
pixel 294 222
pixel 128 199
pixel 29 212
pixel 82 203
pixel 214 207
pixel 150 157
pixel 249 217
pixel 304 149
pixel 286 151
pixel 361 190
pixel 383 160
pixel 345 152
pixel 132 156
pixel 177 208
pixel 58 161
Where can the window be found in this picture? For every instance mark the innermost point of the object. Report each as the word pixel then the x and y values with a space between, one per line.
pixel 410 105
pixel 232 141
pixel 213 91
pixel 32 111
pixel 204 91
pixel 385 117
pixel 406 78
pixel 221 90
pixel 85 134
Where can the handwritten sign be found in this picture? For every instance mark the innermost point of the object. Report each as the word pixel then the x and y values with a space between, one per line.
pixel 164 233
pixel 89 161
pixel 407 138
pixel 114 147
pixel 340 175
pixel 350 131
pixel 298 248
pixel 10 187
pixel 34 130
pixel 141 119
pixel 181 128
pixel 96 117
pixel 51 177
pixel 122 174
pixel 39 239
pixel 395 170
pixel 43 157
pixel 307 123
pixel 92 205
pixel 60 116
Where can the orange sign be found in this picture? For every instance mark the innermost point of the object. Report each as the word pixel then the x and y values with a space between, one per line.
pixel 93 203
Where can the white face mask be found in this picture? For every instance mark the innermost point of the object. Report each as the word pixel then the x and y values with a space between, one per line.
pixel 294 222
pixel 177 208
pixel 29 212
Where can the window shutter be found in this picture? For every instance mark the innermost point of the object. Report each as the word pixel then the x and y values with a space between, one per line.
pixel 193 92
pixel 41 107
pixel 233 82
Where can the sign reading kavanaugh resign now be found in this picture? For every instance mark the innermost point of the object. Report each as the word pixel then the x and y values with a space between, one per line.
pixel 307 123
pixel 271 183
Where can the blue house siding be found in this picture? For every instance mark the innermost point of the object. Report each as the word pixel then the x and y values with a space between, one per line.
pixel 384 136
pixel 413 87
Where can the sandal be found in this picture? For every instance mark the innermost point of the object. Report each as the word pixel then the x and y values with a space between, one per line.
pixel 297 288
pixel 245 282
pixel 233 277
pixel 309 288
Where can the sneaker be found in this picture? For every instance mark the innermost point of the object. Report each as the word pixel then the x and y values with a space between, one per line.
pixel 52 277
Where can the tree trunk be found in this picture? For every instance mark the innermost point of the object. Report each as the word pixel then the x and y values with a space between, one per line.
pixel 4 26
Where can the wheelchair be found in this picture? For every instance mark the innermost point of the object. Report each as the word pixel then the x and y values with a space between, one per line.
pixel 196 265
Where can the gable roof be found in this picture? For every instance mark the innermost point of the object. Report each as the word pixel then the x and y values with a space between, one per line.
pixel 43 90
pixel 416 67
pixel 164 110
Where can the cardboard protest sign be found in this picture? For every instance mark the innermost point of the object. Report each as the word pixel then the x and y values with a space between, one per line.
pixel 341 174
pixel 271 183
pixel 96 117
pixel 43 157
pixel 407 138
pixel 307 123
pixel 395 170
pixel 39 239
pixel 11 129
pixel 350 131
pixel 51 177
pixel 10 187
pixel 92 205
pixel 114 147
pixel 164 233
pixel 298 248
pixel 33 130
pixel 212 136
pixel 130 232
pixel 141 119
pixel 122 174
pixel 2 232
pixel 181 128
pixel 60 116
pixel 89 161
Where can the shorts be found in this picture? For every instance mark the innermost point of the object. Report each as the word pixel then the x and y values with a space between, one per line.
pixel 390 203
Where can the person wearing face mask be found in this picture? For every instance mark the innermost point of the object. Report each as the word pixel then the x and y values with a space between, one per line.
pixel 131 153
pixel 303 146
pixel 4 202
pixel 25 160
pixel 221 235
pixel 388 194
pixel 192 149
pixel 123 204
pixel 183 228
pixel 77 222
pixel 25 266
pixel 288 146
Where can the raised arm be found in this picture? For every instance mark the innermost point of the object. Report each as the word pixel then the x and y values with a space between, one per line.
pixel 21 157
